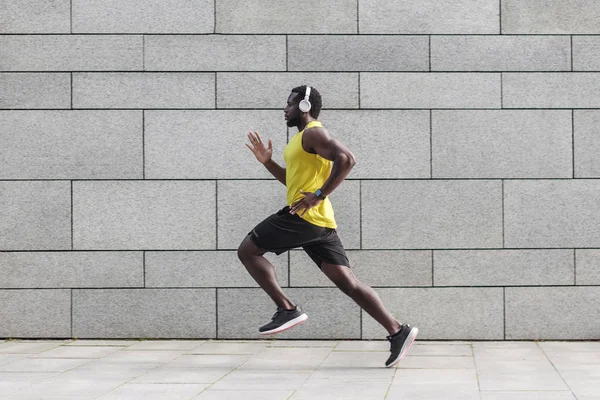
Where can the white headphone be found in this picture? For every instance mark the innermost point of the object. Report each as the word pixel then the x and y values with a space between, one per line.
pixel 305 103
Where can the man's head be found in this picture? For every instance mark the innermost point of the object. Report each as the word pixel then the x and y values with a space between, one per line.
pixel 292 111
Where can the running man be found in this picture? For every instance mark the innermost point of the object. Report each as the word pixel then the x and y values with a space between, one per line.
pixel 316 164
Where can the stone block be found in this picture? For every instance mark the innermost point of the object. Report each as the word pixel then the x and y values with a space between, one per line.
pixel 587 263
pixel 71 144
pixel 429 90
pixel 399 138
pixel 503 267
pixel 36 215
pixel 502 144
pixel 358 53
pixel 23 317
pixel 429 16
pixel 143 16
pixel 422 214
pixel 144 313
pixel 553 313
pixel 552 213
pixel 550 17
pixel 586 53
pixel 35 16
pixel 586 125
pixel 71 269
pixel 144 215
pixel 215 53
pixel 500 53
pixel 143 90
pixel 264 16
pixel 35 90
pixel 551 90
pixel 210 144
pixel 71 53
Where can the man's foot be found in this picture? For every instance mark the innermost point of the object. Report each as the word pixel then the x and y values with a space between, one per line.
pixel 283 320
pixel 400 342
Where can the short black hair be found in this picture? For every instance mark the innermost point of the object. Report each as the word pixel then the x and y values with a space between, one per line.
pixel 314 98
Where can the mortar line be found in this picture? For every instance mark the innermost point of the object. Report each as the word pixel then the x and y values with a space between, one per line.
pixel 72 247
pixel 216 214
pixel 359 90
pixel 215 16
pixel 71 90
pixel 575 267
pixel 217 313
pixel 143 144
pixel 504 309
pixel 71 313
pixel 432 269
pixel 144 266
pixel 429 53
pixel 360 216
pixel 500 13
pixel 143 52
pixel 71 16
pixel 573 140
pixel 358 17
pixel 430 144
pixel 571 52
pixel 216 88
pixel 287 61
pixel 503 244
pixel 501 91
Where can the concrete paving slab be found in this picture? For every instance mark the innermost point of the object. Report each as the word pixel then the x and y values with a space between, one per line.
pixel 437 362
pixel 150 391
pixel 77 352
pixel 245 394
pixel 183 375
pixel 209 361
pixel 296 369
pixel 167 345
pixel 527 395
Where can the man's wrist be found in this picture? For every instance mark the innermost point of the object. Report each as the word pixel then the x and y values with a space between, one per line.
pixel 319 193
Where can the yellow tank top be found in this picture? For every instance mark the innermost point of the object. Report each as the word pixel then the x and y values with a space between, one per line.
pixel 307 172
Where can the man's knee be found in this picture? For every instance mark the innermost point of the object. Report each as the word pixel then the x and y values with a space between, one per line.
pixel 248 249
pixel 342 277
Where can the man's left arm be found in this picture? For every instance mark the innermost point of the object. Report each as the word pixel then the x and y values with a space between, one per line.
pixel 319 141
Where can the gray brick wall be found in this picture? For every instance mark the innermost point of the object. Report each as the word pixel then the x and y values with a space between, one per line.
pixel 125 185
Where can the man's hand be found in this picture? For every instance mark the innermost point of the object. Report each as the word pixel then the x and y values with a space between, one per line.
pixel 262 153
pixel 307 202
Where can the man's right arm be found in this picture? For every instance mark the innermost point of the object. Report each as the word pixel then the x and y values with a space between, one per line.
pixel 276 170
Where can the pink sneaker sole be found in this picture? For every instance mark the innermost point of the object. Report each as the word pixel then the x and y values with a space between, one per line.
pixel 285 327
pixel 404 351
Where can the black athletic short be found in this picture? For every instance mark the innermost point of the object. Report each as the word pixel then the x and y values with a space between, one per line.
pixel 283 231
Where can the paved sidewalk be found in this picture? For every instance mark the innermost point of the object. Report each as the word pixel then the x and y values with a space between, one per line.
pixel 296 370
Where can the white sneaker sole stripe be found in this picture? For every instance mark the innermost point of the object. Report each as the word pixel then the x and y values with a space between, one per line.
pixel 407 343
pixel 287 325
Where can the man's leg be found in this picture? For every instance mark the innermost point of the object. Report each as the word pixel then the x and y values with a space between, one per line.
pixel 363 295
pixel 263 272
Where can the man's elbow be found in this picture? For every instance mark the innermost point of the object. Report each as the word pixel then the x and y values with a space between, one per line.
pixel 349 160
pixel 352 160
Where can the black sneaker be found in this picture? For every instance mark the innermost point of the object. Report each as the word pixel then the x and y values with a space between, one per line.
pixel 283 320
pixel 400 342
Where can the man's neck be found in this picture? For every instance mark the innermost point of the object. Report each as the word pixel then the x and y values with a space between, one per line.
pixel 303 124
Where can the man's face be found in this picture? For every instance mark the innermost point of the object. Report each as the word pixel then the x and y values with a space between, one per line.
pixel 291 112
